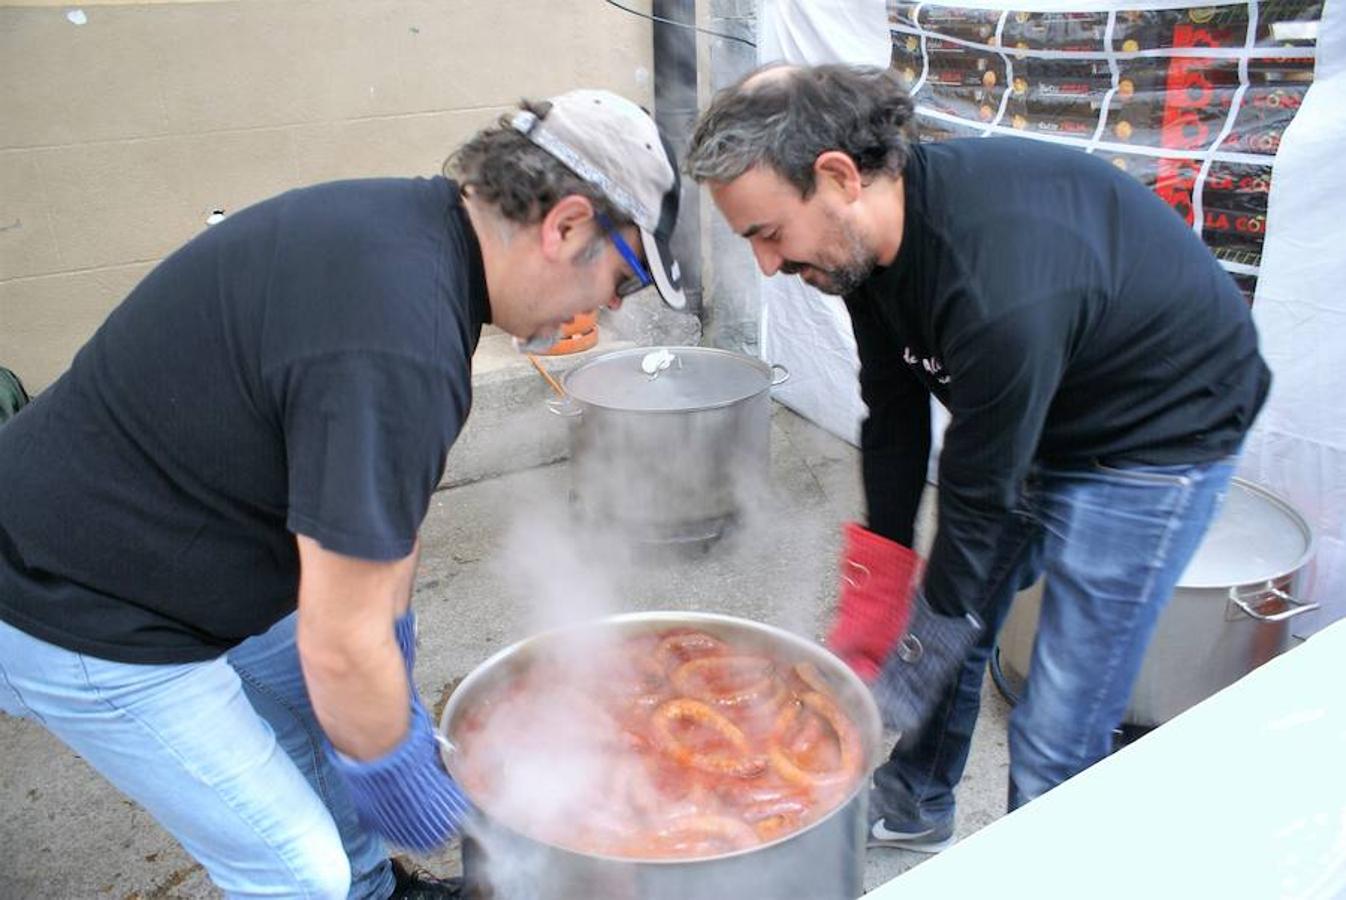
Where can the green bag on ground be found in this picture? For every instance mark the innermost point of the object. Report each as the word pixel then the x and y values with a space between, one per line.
pixel 12 395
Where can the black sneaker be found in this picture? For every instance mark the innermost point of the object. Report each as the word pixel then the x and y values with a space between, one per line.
pixel 885 832
pixel 418 884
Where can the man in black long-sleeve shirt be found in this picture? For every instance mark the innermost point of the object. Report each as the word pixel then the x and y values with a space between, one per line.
pixel 1100 369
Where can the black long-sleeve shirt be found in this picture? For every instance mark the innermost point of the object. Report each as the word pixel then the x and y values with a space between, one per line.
pixel 1062 313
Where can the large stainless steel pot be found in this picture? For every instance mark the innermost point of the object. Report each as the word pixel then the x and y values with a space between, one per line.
pixel 669 444
pixel 1229 613
pixel 822 861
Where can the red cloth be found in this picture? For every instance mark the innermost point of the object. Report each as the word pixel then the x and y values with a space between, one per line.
pixel 878 578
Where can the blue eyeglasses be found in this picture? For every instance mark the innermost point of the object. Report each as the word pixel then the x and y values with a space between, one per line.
pixel 642 277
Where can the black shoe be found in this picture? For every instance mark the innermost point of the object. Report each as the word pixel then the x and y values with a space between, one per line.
pixel 418 884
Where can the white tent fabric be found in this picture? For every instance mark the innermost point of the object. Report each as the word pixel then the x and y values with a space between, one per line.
pixel 1298 447
pixel 822 31
pixel 802 328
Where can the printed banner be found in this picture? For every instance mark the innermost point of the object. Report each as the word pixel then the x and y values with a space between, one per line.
pixel 1192 101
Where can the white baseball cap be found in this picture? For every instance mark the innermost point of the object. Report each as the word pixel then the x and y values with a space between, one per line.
pixel 614 145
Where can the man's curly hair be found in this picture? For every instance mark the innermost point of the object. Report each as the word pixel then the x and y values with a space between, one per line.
pixel 502 167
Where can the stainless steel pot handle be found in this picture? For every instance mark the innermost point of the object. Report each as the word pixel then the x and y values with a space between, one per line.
pixel 449 747
pixel 783 377
pixel 566 409
pixel 1297 607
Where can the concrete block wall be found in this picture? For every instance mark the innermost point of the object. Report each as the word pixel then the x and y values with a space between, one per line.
pixel 123 125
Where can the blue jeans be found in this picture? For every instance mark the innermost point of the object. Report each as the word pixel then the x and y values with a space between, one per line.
pixel 1112 544
pixel 225 754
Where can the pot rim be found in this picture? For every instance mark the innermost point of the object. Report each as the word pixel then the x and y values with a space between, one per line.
pixel 866 719
pixel 762 367
pixel 1284 506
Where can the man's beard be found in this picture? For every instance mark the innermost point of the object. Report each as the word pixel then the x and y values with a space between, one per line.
pixel 544 339
pixel 857 264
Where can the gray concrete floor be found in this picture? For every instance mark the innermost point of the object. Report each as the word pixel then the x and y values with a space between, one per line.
pixel 500 559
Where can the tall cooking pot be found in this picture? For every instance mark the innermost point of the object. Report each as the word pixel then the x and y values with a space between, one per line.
pixel 669 444
pixel 822 861
pixel 1230 612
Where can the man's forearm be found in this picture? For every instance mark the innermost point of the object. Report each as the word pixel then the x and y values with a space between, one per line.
pixel 894 481
pixel 356 676
pixel 359 691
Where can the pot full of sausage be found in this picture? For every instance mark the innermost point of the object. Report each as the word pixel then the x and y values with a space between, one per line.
pixel 663 755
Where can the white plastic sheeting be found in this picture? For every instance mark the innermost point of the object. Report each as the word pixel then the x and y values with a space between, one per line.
pixel 823 31
pixel 803 328
pixel 1298 446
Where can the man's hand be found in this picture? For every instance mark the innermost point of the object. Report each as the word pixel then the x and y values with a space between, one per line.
pixel 922 665
pixel 889 635
pixel 878 577
pixel 406 797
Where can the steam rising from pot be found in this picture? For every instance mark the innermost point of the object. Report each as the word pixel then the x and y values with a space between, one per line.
pixel 654 496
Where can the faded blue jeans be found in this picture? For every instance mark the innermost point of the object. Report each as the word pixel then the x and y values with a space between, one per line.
pixel 1112 544
pixel 225 754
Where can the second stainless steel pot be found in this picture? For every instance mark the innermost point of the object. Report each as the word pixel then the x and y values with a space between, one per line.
pixel 669 444
pixel 1230 612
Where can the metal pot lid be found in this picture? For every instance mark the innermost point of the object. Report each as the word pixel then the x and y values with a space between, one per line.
pixel 667 379
pixel 1256 537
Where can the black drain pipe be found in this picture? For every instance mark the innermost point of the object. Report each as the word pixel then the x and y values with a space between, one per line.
pixel 675 111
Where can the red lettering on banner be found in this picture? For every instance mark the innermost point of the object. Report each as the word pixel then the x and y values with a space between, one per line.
pixel 1188 91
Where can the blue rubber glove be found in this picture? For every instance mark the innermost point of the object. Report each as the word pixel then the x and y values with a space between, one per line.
pixel 406 796
pixel 922 664
pixel 404 628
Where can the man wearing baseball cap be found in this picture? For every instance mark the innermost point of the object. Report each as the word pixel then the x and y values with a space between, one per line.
pixel 208 525
pixel 610 143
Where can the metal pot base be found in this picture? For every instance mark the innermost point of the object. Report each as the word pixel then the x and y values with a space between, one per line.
pixel 659 538
pixel 824 862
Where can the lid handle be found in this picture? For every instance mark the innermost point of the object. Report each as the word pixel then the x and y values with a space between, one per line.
pixel 656 361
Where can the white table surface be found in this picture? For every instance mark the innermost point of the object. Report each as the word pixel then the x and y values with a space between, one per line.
pixel 1243 795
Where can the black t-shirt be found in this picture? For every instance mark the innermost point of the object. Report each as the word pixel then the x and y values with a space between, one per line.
pixel 1062 313
pixel 301 367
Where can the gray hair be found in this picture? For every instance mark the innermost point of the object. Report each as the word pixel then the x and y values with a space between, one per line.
pixel 785 117
pixel 522 182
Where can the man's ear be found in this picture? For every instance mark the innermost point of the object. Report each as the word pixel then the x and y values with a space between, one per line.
pixel 837 170
pixel 565 227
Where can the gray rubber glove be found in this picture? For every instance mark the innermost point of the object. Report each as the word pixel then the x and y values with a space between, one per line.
pixel 922 664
